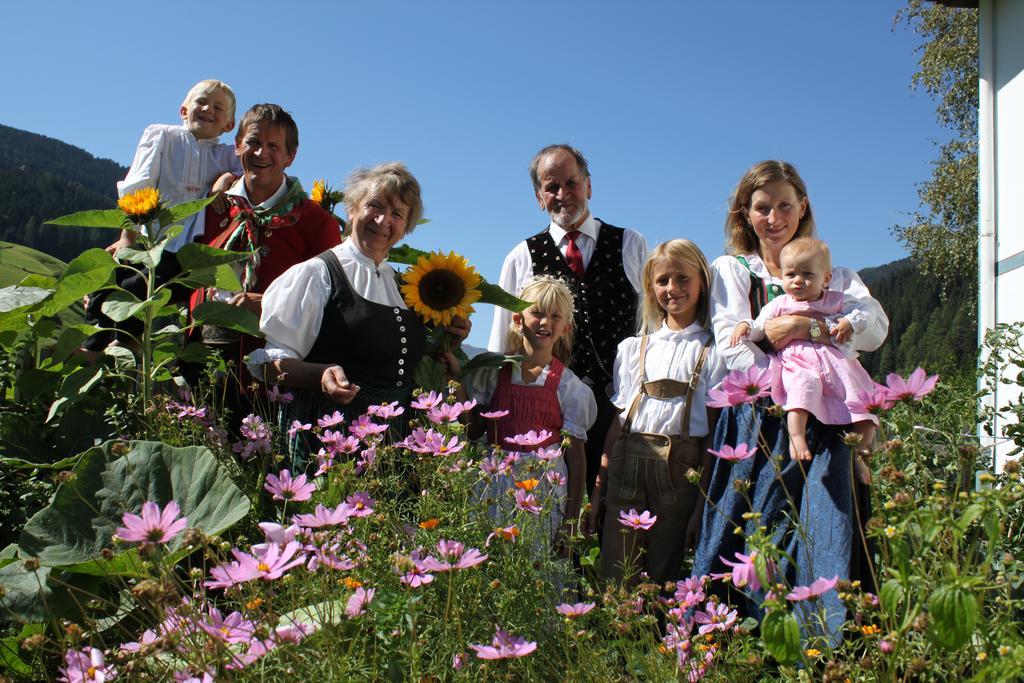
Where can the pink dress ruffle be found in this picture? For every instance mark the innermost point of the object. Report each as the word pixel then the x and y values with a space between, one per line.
pixel 818 378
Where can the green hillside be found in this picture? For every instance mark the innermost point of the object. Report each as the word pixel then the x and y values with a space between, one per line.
pixel 17 261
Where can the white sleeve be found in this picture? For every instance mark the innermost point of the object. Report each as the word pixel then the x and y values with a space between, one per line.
pixel 625 371
pixel 579 407
pixel 870 323
pixel 145 168
pixel 714 372
pixel 515 271
pixel 634 255
pixel 480 384
pixel 730 305
pixel 769 312
pixel 293 309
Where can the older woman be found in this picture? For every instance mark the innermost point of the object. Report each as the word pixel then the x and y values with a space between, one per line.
pixel 337 328
pixel 770 208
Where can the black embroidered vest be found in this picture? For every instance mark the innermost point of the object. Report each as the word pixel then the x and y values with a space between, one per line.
pixel 605 312
pixel 377 345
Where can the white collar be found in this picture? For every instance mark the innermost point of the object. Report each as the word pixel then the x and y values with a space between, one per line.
pixel 238 190
pixel 665 332
pixel 589 227
pixel 348 249
pixel 207 141
pixel 758 268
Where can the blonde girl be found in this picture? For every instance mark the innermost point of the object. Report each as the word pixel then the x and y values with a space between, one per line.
pixel 662 377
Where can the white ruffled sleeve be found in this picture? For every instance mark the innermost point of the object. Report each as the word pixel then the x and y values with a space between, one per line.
pixel 866 315
pixel 293 309
pixel 634 255
pixel 579 407
pixel 730 305
pixel 145 168
pixel 626 372
pixel 515 271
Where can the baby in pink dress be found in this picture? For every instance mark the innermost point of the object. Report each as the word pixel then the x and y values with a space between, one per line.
pixel 820 376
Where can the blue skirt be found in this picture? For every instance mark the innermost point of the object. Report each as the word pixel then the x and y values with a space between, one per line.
pixel 820 494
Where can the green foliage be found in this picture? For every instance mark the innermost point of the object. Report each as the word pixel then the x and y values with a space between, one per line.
pixel 942 236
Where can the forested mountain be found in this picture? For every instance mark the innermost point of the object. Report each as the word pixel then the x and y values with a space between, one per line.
pixel 42 178
pixel 924 329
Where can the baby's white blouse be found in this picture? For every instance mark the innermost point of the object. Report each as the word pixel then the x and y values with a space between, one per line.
pixel 579 408
pixel 293 305
pixel 730 305
pixel 172 160
pixel 671 354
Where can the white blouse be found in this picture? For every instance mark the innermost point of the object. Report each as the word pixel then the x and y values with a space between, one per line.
pixel 518 267
pixel 293 305
pixel 730 305
pixel 671 354
pixel 579 408
pixel 183 168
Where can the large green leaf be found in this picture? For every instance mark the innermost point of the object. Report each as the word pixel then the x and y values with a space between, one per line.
pixel 75 387
pixel 70 339
pixel 225 315
pixel 781 635
pixel 30 595
pixel 86 510
pixel 100 218
pixel 193 256
pixel 954 613
pixel 120 306
pixel 221 277
pixel 181 211
pixel 86 273
pixel 18 297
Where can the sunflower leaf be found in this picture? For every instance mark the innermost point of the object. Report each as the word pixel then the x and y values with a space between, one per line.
pixel 493 294
pixel 102 218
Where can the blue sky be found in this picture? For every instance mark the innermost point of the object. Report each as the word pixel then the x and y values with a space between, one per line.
pixel 671 101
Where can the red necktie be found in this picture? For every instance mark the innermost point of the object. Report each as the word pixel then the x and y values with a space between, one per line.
pixel 573 255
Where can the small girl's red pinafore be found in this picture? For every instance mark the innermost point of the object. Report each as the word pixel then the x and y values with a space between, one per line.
pixel 529 408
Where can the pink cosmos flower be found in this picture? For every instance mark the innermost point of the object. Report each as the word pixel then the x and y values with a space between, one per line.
pixel 740 452
pixel 366 459
pixel 454 556
pixel 324 462
pixel 298 427
pixel 153 526
pixel 277 396
pixel 821 585
pixel 187 676
pixel 324 516
pixel 269 566
pixel 282 487
pixel 361 504
pixel 276 534
pixel 744 572
pixel 529 439
pixel 556 478
pixel 294 632
pixel 742 386
pixel 575 610
pixel 234 628
pixel 427 401
pixel 86 666
pixel 358 602
pixel 449 412
pixel 412 572
pixel 339 442
pixel 508 533
pixel 459 661
pixel 638 522
pixel 330 420
pixel 915 387
pixel 527 502
pixel 494 414
pixel 550 453
pixel 504 646
pixel 690 592
pixel 386 411
pixel 714 617
pixel 875 403
pixel 256 438
pixel 364 427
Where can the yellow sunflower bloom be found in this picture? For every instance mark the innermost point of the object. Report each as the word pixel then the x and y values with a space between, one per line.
pixel 319 192
pixel 141 206
pixel 440 287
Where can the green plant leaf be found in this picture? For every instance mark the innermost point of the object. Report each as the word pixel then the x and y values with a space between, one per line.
pixel 19 297
pixel 194 256
pixel 221 277
pixel 89 271
pixel 99 218
pixel 493 294
pixel 124 359
pixel 70 339
pixel 954 613
pixel 28 595
pixel 891 595
pixel 228 316
pixel 74 388
pixel 87 509
pixel 120 306
pixel 781 635
pixel 181 211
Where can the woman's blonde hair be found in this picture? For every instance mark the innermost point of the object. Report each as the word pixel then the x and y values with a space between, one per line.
pixel 550 295
pixel 651 315
pixel 739 233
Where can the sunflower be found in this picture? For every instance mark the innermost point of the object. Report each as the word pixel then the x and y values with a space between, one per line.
pixel 141 206
pixel 319 192
pixel 441 287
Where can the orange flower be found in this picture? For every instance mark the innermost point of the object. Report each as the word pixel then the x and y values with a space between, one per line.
pixel 527 484
pixel 430 523
pixel 351 583
pixel 870 629
pixel 141 206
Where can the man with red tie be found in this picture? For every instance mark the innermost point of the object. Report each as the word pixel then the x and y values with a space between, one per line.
pixel 602 265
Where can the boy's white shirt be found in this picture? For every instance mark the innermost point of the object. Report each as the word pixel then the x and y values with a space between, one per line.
pixel 182 168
